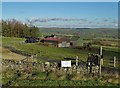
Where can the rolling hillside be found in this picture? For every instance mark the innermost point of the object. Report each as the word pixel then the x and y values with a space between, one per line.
pixel 83 32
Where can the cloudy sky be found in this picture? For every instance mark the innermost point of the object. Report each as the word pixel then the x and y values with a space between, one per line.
pixel 63 14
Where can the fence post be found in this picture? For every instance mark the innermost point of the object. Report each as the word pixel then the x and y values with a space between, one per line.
pixel 114 61
pixel 100 69
pixel 76 60
pixel 100 50
pixel 101 61
pixel 101 53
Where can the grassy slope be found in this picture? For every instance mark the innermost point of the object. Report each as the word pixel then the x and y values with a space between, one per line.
pixel 45 51
pixel 55 53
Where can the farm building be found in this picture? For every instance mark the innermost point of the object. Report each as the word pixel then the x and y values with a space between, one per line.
pixel 57 42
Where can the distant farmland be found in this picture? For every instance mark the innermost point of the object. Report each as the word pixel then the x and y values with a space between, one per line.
pixel 83 32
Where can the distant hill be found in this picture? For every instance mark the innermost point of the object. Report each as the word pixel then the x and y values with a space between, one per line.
pixel 83 32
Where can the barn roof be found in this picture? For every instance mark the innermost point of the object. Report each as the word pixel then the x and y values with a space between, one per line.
pixel 55 39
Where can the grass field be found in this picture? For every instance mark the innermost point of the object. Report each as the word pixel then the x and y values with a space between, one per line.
pixel 44 51
pixel 39 78
pixel 58 53
pixel 62 83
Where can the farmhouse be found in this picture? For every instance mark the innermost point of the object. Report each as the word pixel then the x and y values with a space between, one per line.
pixel 57 42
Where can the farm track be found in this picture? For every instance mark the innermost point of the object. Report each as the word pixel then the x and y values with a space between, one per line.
pixel 17 51
pixel 107 70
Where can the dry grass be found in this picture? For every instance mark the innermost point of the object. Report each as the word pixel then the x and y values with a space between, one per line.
pixel 7 54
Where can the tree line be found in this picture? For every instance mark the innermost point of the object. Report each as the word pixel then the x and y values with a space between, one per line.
pixel 14 28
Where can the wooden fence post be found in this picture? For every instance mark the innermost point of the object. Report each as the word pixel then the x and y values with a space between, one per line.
pixel 114 61
pixel 100 69
pixel 100 50
pixel 76 60
pixel 101 53
pixel 101 61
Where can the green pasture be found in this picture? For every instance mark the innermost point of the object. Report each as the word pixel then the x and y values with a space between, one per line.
pixel 37 78
pixel 53 79
pixel 61 83
pixel 51 52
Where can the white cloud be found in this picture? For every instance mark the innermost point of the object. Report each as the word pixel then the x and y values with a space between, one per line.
pixel 74 22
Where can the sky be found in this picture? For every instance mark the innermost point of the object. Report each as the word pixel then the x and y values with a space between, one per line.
pixel 60 0
pixel 63 14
